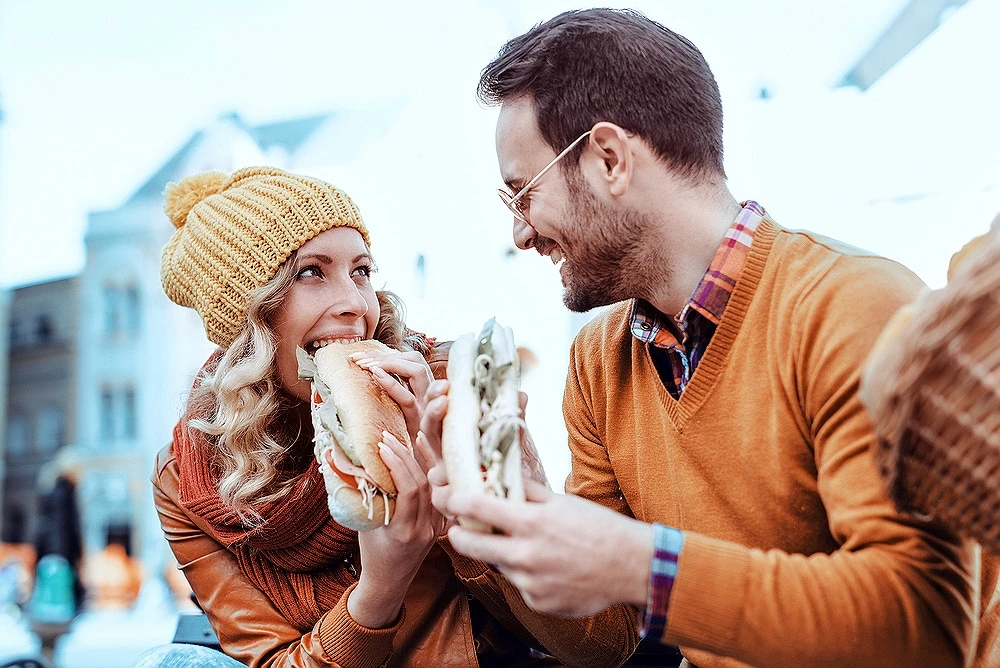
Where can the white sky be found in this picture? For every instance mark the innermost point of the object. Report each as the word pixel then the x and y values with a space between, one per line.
pixel 98 94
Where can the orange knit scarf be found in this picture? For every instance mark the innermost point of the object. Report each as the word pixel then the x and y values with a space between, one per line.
pixel 297 556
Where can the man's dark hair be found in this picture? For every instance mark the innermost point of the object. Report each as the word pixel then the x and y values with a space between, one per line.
pixel 593 65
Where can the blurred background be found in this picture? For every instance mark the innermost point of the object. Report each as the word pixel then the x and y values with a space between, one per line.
pixel 872 121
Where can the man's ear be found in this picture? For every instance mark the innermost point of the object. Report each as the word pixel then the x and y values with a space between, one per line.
pixel 614 161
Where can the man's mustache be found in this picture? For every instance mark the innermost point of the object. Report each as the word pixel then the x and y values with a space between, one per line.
pixel 544 245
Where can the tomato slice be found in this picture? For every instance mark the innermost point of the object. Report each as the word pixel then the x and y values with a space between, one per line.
pixel 340 474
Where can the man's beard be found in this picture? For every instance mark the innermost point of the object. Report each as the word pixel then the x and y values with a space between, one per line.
pixel 608 259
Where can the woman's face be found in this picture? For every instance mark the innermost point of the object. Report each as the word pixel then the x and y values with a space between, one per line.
pixel 331 299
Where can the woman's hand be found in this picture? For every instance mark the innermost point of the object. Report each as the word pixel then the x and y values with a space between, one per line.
pixel 392 554
pixel 409 367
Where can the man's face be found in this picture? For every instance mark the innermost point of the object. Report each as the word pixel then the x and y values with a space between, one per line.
pixel 595 241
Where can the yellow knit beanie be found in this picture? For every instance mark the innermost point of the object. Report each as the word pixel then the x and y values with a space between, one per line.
pixel 233 232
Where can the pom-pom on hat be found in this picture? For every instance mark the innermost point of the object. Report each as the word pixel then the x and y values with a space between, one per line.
pixel 233 232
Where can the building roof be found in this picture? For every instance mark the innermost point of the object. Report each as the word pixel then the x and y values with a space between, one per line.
pixel 153 187
pixel 289 135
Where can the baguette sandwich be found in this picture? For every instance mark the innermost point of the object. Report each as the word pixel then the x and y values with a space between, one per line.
pixel 349 413
pixel 480 441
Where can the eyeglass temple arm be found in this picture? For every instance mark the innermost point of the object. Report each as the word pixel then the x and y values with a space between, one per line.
pixel 549 166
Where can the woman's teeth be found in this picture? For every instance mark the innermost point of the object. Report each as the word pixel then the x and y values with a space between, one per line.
pixel 322 343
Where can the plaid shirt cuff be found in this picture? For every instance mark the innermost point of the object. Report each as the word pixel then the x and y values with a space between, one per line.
pixel 667 545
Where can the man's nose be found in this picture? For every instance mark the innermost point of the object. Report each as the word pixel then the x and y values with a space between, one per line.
pixel 524 234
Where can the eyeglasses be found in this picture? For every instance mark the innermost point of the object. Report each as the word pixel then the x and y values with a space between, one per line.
pixel 514 203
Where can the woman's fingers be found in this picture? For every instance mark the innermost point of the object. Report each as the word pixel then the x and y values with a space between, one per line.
pixel 411 366
pixel 402 396
pixel 408 459
pixel 396 456
pixel 413 493
pixel 426 456
pixel 391 368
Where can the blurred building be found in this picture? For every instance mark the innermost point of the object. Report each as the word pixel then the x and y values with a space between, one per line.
pixel 40 388
pixel 5 296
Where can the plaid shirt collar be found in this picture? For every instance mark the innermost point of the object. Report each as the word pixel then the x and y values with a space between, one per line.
pixel 710 298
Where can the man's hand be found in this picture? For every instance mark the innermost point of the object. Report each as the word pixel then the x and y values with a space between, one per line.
pixel 428 446
pixel 566 555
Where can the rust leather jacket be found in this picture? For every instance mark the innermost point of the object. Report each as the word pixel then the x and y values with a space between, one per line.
pixel 457 611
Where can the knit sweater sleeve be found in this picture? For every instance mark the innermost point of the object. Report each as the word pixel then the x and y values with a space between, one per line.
pixel 897 591
pixel 249 627
pixel 591 475
pixel 604 639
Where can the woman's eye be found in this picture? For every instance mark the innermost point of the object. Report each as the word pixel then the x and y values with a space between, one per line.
pixel 364 270
pixel 312 271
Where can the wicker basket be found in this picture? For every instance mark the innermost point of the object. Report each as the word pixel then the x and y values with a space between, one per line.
pixel 932 386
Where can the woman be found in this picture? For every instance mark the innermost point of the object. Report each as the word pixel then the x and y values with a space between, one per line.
pixel 274 261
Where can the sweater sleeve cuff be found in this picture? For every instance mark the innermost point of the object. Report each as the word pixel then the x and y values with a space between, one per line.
pixel 347 643
pixel 667 545
pixel 708 594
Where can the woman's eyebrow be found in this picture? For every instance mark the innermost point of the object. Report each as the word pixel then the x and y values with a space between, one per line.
pixel 314 257
pixel 363 256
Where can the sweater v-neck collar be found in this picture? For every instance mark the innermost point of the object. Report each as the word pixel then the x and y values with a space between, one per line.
pixel 712 362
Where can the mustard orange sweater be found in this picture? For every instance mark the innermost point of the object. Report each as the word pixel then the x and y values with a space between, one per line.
pixel 794 555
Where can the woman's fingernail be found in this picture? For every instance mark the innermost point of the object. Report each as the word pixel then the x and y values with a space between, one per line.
pixel 378 371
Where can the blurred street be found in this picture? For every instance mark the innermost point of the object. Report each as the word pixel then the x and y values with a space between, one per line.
pixel 97 638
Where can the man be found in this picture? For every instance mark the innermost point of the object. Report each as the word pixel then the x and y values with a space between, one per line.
pixel 716 404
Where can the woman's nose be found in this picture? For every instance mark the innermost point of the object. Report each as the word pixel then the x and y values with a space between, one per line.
pixel 524 234
pixel 349 301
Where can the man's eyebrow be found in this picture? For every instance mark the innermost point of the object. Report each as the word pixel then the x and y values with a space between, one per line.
pixel 514 184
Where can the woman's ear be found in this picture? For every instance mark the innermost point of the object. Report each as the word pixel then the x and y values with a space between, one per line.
pixel 612 157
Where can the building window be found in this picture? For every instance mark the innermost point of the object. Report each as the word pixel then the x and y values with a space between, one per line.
pixel 128 412
pixel 18 434
pixel 50 429
pixel 131 304
pixel 44 331
pixel 112 310
pixel 119 419
pixel 107 413
pixel 122 309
